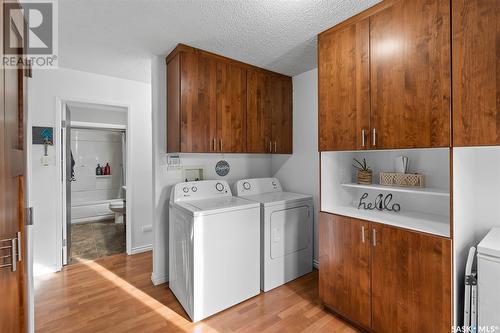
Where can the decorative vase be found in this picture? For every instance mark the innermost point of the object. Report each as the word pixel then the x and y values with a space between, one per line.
pixel 364 177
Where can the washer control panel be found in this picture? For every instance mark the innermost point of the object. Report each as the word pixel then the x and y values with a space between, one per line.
pixel 200 190
pixel 257 186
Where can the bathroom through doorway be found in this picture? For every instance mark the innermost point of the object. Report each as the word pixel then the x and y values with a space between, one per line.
pixel 94 173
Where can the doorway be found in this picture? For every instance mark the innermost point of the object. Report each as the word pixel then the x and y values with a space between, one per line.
pixel 94 168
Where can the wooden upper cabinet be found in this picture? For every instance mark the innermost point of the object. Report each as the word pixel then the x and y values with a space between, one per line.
pixel 258 112
pixel 344 277
pixel 281 113
pixel 411 282
pixel 384 78
pixel 410 74
pixel 476 66
pixel 344 88
pixel 174 104
pixel 269 113
pixel 198 102
pixel 216 104
pixel 231 108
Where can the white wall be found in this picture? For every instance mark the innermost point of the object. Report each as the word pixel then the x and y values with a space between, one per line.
pixel 103 116
pixel 476 205
pixel 242 166
pixel 300 172
pixel 43 91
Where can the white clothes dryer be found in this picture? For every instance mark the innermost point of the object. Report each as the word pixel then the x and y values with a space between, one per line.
pixel 286 230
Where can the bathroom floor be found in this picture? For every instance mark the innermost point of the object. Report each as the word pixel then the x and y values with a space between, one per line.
pixel 97 239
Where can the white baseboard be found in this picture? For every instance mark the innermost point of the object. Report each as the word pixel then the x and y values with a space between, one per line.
pixel 141 249
pixel 159 279
pixel 316 263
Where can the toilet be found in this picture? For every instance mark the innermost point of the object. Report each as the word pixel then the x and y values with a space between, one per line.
pixel 118 207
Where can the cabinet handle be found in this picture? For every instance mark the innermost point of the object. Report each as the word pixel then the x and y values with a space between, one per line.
pixel 374 137
pixel 374 237
pixel 213 144
pixel 270 147
pixel 274 146
pixel 363 234
pixel 363 133
pixel 220 144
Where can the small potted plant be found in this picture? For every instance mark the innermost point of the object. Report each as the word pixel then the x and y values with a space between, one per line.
pixel 364 172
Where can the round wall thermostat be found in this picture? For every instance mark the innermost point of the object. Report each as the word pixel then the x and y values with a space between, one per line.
pixel 222 168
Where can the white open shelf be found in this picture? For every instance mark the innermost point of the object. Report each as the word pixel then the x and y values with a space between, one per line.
pixel 103 176
pixel 421 209
pixel 415 190
pixel 418 221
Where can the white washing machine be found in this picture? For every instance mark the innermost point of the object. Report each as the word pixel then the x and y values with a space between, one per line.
pixel 488 277
pixel 214 247
pixel 286 230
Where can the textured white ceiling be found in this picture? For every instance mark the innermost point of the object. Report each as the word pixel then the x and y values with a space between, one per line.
pixel 119 37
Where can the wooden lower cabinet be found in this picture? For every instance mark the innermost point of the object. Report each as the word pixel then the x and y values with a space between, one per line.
pixel 344 277
pixel 411 281
pixel 395 281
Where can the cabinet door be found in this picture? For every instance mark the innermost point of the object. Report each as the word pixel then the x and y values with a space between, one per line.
pixel 258 112
pixel 411 281
pixel 410 75
pixel 231 108
pixel 476 55
pixel 282 114
pixel 344 274
pixel 344 88
pixel 198 103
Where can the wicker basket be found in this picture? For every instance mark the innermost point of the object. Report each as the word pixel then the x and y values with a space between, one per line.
pixel 364 177
pixel 402 179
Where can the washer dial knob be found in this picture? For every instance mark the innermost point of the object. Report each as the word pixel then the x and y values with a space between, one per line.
pixel 246 185
pixel 219 187
pixel 194 189
pixel 185 189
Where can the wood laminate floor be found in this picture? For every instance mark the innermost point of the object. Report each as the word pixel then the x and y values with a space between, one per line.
pixel 115 294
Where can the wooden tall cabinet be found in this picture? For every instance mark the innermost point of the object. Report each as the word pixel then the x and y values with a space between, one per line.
pixel 383 278
pixel 476 66
pixel 384 78
pixel 216 104
pixel 344 88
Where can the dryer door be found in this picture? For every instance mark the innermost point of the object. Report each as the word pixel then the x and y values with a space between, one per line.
pixel 289 231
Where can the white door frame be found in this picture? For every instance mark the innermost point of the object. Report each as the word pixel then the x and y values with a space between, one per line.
pixel 61 168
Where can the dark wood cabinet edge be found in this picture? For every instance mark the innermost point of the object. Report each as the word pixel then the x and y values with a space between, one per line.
pixel 227 153
pixel 186 48
pixel 358 17
pixel 346 319
pixel 389 225
pixel 386 148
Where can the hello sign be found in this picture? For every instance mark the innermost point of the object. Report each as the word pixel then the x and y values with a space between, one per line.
pixel 380 203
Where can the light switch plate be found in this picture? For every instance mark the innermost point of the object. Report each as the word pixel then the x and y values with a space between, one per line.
pixel 45 160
